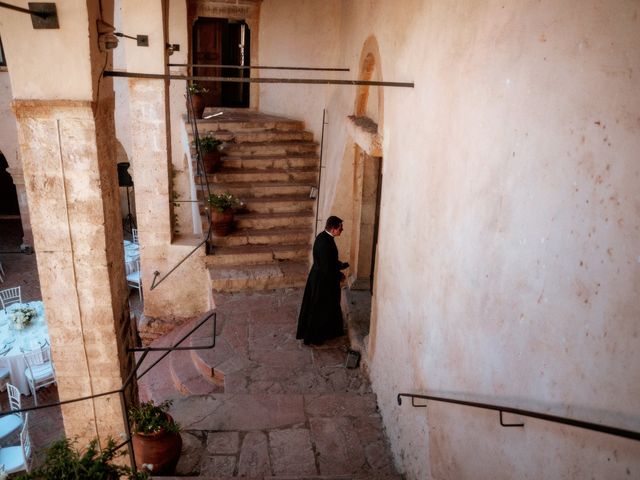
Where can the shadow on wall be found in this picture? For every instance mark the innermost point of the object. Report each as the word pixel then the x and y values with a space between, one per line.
pixel 9 207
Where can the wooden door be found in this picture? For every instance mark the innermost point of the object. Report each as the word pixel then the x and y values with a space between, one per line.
pixel 207 49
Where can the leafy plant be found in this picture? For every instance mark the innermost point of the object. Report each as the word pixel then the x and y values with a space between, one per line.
pixel 196 89
pixel 64 461
pixel 208 143
pixel 224 201
pixel 151 418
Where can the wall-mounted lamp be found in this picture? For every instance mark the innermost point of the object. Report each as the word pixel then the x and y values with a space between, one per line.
pixel 108 37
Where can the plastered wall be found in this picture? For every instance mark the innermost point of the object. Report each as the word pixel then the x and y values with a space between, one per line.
pixel 508 268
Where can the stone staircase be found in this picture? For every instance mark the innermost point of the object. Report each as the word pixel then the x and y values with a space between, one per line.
pixel 260 405
pixel 271 164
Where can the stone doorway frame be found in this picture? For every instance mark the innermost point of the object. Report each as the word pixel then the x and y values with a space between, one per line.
pixel 364 127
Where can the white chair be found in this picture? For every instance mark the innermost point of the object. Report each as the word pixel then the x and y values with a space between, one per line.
pixel 12 421
pixel 133 278
pixel 134 235
pixel 18 457
pixel 10 296
pixel 39 372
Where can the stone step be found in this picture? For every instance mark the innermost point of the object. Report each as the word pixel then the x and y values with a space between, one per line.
pixel 235 278
pixel 189 380
pixel 270 148
pixel 256 136
pixel 281 204
pixel 271 161
pixel 263 221
pixel 236 175
pixel 257 254
pixel 223 125
pixel 277 204
pixel 246 191
pixel 270 236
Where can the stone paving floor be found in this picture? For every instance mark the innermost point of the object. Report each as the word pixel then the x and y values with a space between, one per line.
pixel 282 409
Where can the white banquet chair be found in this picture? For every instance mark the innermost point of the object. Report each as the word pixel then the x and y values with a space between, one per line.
pixel 39 372
pixel 133 278
pixel 18 457
pixel 9 296
pixel 12 421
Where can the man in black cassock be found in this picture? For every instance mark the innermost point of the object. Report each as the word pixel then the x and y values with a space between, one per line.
pixel 320 314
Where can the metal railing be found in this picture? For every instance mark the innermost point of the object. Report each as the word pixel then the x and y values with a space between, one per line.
pixel 121 391
pixel 204 186
pixel 619 432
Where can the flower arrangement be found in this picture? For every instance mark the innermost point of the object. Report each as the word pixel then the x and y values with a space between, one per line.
pixel 21 317
pixel 224 201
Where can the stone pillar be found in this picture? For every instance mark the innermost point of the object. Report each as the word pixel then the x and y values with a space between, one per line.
pixel 64 113
pixel 185 291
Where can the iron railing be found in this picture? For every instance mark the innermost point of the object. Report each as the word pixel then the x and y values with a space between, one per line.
pixel 121 391
pixel 619 432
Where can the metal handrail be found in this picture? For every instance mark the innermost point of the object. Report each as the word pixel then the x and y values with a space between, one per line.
pixel 129 379
pixel 200 171
pixel 619 432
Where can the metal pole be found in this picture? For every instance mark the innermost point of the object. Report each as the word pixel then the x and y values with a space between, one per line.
pixel 315 231
pixel 260 67
pixel 309 81
pixel 25 10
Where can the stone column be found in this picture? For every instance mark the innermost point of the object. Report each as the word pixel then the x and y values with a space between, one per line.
pixel 64 113
pixel 185 291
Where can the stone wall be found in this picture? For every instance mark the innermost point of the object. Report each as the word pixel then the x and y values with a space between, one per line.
pixel 507 263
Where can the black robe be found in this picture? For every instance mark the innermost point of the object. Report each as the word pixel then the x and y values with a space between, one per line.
pixel 320 316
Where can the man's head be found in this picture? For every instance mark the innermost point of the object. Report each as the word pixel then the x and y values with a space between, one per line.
pixel 334 225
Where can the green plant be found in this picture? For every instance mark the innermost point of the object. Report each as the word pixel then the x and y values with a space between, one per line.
pixel 196 89
pixel 208 143
pixel 64 461
pixel 151 418
pixel 224 201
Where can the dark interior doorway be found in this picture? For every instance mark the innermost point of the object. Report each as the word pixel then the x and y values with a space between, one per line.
pixel 221 41
pixel 9 207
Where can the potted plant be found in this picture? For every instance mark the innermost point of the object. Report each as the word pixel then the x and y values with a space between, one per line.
pixel 222 211
pixel 63 460
pixel 196 93
pixel 156 437
pixel 210 149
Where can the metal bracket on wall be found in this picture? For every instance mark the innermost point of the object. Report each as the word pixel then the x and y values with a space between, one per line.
pixel 509 424
pixel 43 15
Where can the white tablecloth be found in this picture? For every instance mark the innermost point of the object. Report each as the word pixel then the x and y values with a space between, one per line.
pixel 13 342
pixel 131 254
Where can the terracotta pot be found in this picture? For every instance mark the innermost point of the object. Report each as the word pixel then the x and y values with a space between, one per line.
pixel 211 161
pixel 222 222
pixel 161 449
pixel 198 105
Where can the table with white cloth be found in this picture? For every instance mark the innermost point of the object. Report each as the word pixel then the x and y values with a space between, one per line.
pixel 14 342
pixel 131 254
